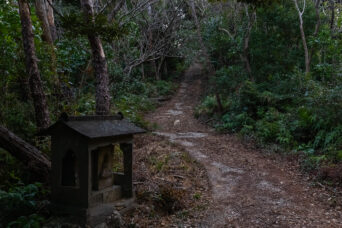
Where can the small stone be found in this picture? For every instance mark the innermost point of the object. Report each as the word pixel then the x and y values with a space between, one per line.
pixel 176 123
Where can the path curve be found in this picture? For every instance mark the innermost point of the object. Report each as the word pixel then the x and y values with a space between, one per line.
pixel 249 188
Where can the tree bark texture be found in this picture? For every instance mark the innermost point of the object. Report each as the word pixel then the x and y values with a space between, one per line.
pixel 49 32
pixel 306 50
pixel 31 157
pixel 99 63
pixel 41 11
pixel 36 87
pixel 51 18
pixel 245 55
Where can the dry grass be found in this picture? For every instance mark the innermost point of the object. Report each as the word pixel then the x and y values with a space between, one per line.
pixel 171 188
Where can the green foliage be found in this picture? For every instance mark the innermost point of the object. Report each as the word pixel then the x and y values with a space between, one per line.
pixel 20 204
pixel 254 2
pixel 164 88
pixel 31 221
pixel 132 106
pixel 227 79
pixel 158 163
pixel 75 24
pixel 67 75
pixel 197 196
pixel 72 56
pixel 313 162
pixel 135 99
pixel 207 106
pixel 282 105
pixel 11 171
pixel 235 121
pixel 15 111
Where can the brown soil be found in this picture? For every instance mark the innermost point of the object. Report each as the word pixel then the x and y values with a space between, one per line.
pixel 171 187
pixel 248 188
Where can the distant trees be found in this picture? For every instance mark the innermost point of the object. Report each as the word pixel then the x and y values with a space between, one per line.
pixel 302 33
pixel 250 18
pixel 295 99
pixel 142 37
pixel 158 38
pixel 307 52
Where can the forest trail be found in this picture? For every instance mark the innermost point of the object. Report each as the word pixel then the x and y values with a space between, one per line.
pixel 248 187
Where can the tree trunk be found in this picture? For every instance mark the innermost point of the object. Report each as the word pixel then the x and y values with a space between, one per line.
pixel 245 56
pixel 166 72
pixel 99 63
pixel 219 103
pixel 302 33
pixel 36 88
pixel 318 17
pixel 332 20
pixel 317 26
pixel 156 69
pixel 306 50
pixel 49 36
pixel 51 19
pixel 159 66
pixel 41 11
pixel 31 157
pixel 143 71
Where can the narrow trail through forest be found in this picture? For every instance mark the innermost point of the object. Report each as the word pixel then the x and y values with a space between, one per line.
pixel 248 187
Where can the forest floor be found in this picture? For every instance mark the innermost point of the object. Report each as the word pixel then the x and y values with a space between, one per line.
pixel 247 187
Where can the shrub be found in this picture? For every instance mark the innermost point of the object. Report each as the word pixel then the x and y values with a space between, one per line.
pixel 20 204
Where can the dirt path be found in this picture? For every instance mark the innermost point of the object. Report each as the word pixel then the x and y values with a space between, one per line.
pixel 249 188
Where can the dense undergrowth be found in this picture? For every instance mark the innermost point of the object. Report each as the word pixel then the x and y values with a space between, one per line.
pixel 279 103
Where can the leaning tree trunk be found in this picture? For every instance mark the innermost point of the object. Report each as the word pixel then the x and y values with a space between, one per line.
pixel 99 63
pixel 31 157
pixel 37 93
